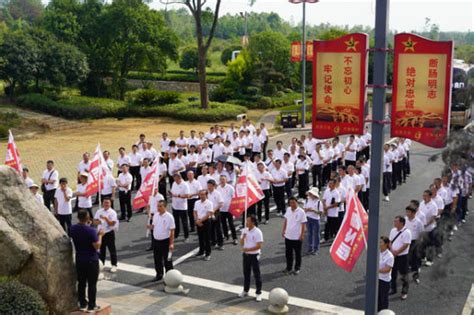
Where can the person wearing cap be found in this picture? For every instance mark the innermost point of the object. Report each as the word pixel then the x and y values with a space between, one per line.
pixel 203 211
pixel 302 168
pixel 293 233
pixel 26 177
pixel 34 190
pixel 251 242
pixel 62 205
pixel 84 201
pixel 49 183
pixel 264 179
pixel 106 221
pixel 313 207
pixel 124 184
pixel 386 262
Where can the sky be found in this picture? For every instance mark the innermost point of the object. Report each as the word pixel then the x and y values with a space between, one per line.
pixel 405 15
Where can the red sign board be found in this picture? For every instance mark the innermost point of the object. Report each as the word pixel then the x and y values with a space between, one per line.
pixel 422 75
pixel 296 51
pixel 339 81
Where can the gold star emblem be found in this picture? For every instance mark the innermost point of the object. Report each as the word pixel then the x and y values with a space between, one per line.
pixel 351 44
pixel 409 45
pixel 336 130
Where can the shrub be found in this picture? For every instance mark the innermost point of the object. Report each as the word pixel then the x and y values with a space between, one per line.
pixel 150 97
pixel 3 131
pixel 287 90
pixel 17 298
pixel 280 94
pixel 265 102
pixel 221 94
pixel 269 89
pixel 253 90
pixel 180 76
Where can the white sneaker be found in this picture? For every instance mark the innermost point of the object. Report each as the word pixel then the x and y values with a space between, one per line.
pixel 386 199
pixel 101 276
pixel 258 298
pixel 113 269
pixel 439 255
pixel 428 263
pixel 455 228
pixel 451 233
pixel 243 294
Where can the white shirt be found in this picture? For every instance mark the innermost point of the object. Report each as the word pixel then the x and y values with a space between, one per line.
pixel 302 165
pixel 218 150
pixel 351 156
pixel 162 226
pixel 135 159
pixel 153 202
pixel 430 210
pixel 252 238
pixel 64 207
pixel 279 153
pixel 264 134
pixel 343 192
pixel 165 144
pixel 144 171
pixel 203 208
pixel 121 160
pixel 387 163
pixel 83 201
pixel 110 163
pixel 227 192
pixel 194 188
pixel 203 179
pixel 83 167
pixel 263 179
pixel 279 175
pixel 125 179
pixel 182 188
pixel 294 221
pixel 386 259
pixel 347 182
pixel 111 215
pixel 289 167
pixel 329 197
pixel 438 201
pixel 216 198
pixel 208 154
pixel 39 198
pixel 174 165
pixel 314 205
pixel 256 143
pixel 109 184
pixel 182 143
pixel 53 175
pixel 415 226
pixel 29 182
pixel 402 239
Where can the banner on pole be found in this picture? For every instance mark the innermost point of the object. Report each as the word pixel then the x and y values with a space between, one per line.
pixel 145 191
pixel 247 188
pixel 421 101
pixel 296 51
pixel 351 239
pixel 339 85
pixel 13 156
pixel 98 170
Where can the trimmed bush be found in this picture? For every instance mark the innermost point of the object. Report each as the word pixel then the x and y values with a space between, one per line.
pixel 151 97
pixel 17 298
pixel 265 102
pixel 253 90
pixel 269 89
pixel 180 76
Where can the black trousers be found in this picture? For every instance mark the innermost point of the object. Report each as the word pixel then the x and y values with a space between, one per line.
pixel 279 196
pixel 387 183
pixel 407 165
pixel 108 242
pixel 48 198
pixel 125 199
pixel 65 221
pixel 347 163
pixel 293 246
pixel 317 172
pixel 403 169
pixel 400 266
pixel 160 255
pixel 181 216
pixel 137 178
pixel 251 262
pixel 289 187
pixel 394 175
pixel 227 221
pixel 303 185
pixel 192 225
pixel 264 150
pixel 331 227
pixel 414 257
pixel 384 288
pixel 326 173
pixel 87 275
pixel 266 203
pixel 204 235
pixel 162 188
pixel 217 238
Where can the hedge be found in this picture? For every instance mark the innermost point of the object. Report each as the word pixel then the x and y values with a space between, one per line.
pixel 151 97
pixel 17 298
pixel 180 76
pixel 8 120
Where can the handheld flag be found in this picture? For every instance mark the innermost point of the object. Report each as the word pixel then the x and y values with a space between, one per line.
pixel 98 170
pixel 352 236
pixel 13 156
pixel 247 193
pixel 146 189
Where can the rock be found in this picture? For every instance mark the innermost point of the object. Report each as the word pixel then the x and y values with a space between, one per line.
pixel 33 246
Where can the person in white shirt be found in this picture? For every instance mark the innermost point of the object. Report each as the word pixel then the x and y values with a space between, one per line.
pixel 227 220
pixel 364 173
pixel 264 137
pixel 317 158
pixel 151 210
pixel 145 169
pixel 108 190
pixel 192 159
pixel 26 177
pixel 163 227
pixel 279 152
pixel 293 233
pixel 179 203
pixel 141 143
pixel 350 152
pixel 84 202
pixel 175 167
pixel 62 205
pixel 416 227
pixel 270 160
pixel 124 184
pixel 34 191
pixel 217 148
pixel 430 211
pixel 400 240
pixel 264 179
pixel 396 165
pixel 302 169
pixel 313 208
pixel 331 203
pixel 106 220
pixel 280 177
pixel 164 143
pixel 217 238
pixel 122 159
pixel 49 183
pixel 194 188
pixel 290 170
pixel 387 172
pixel 182 142
pixel 83 166
pixel 251 242
pixel 204 177
pixel 386 262
pixel 108 160
pixel 256 143
pixel 135 163
pixel 328 154
pixel 203 212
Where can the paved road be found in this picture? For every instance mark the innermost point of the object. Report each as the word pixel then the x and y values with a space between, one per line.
pixel 443 289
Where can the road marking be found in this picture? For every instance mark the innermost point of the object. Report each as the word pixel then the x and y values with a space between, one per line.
pixel 235 289
pixel 278 135
pixel 469 306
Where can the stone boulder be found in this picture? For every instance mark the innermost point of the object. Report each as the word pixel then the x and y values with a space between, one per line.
pixel 33 246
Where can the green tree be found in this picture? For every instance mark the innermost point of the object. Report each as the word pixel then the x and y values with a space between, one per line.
pixel 26 10
pixel 190 59
pixel 61 19
pixel 226 55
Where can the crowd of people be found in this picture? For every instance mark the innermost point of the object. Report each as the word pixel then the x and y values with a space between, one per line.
pixel 197 176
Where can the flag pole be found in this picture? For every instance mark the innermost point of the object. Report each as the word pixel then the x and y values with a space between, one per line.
pixel 100 173
pixel 246 193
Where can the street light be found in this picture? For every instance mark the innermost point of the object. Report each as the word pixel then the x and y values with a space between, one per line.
pixel 245 40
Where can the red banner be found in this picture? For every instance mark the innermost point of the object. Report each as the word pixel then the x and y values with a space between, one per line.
pixel 351 239
pixel 296 51
pixel 339 81
pixel 146 188
pixel 98 170
pixel 247 187
pixel 13 156
pixel 421 101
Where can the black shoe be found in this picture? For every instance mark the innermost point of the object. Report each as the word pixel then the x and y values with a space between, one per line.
pixel 296 272
pixel 93 309
pixel 199 254
pixel 122 219
pixel 157 278
pixel 128 219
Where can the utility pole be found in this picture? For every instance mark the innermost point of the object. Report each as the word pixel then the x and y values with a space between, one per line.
pixel 303 71
pixel 376 157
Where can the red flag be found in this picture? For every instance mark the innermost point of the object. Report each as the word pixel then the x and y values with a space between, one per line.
pixel 352 235
pixel 247 188
pixel 13 156
pixel 98 170
pixel 146 189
